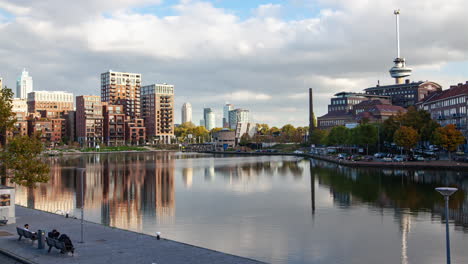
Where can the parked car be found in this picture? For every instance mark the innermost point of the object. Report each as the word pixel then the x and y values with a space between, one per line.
pixel 419 158
pixel 399 158
pixel 387 159
pixel 341 156
pixel 379 155
pixel 298 152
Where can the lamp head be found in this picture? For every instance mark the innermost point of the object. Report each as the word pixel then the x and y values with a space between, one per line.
pixel 446 191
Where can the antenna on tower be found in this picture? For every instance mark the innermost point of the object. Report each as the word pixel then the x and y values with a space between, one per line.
pixel 397 16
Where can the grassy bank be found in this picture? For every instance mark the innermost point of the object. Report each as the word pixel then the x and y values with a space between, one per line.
pixel 115 149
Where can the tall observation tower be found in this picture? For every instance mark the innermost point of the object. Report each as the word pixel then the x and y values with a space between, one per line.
pixel 399 71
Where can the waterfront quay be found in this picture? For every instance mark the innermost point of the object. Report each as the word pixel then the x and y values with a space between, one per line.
pixel 102 244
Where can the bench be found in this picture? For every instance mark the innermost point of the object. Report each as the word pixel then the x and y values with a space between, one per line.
pixel 25 233
pixel 52 242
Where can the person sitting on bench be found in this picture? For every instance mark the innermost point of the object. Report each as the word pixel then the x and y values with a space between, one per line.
pixel 26 227
pixel 68 244
pixel 54 234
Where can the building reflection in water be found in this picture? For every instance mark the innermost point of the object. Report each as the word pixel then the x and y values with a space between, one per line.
pixel 125 189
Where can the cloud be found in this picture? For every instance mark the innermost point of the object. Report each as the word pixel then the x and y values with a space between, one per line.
pixel 262 62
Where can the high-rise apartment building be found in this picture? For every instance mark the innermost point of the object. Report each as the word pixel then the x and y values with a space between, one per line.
pixel 122 88
pixel 238 116
pixel 210 118
pixel 157 101
pixel 52 103
pixel 24 85
pixel 89 120
pixel 114 125
pixel 1 83
pixel 186 113
pixel 226 109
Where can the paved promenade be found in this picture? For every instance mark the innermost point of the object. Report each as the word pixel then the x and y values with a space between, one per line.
pixel 102 244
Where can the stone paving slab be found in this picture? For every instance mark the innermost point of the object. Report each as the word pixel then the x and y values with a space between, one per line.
pixel 104 244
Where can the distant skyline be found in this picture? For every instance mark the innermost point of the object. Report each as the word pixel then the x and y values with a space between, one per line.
pixel 259 55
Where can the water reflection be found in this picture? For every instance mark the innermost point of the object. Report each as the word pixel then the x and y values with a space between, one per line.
pixel 276 209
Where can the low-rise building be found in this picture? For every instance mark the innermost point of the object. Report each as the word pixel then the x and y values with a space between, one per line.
pixel 405 94
pixel 448 106
pixel 135 131
pixel 340 109
pixel 224 139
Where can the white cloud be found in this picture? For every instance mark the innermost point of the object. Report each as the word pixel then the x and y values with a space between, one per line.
pixel 263 62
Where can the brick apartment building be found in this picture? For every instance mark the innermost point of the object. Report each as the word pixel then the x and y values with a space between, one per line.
pixel 449 106
pixel 50 104
pixel 122 88
pixel 89 120
pixel 157 101
pixel 114 125
pixel 135 131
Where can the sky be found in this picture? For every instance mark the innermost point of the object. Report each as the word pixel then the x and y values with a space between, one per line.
pixel 258 55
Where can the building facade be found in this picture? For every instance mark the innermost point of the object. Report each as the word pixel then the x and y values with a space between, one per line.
pixel 19 105
pixel 210 118
pixel 226 109
pixel 89 120
pixel 449 106
pixel 122 88
pixel 406 94
pixel 157 102
pixel 24 85
pixel 186 112
pixel 341 108
pixel 135 131
pixel 114 125
pixel 224 139
pixel 54 103
pixel 238 116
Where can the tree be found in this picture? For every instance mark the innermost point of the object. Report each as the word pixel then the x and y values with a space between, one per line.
pixel 263 129
pixel 245 139
pixel 367 135
pixel 406 137
pixel 318 137
pixel 23 161
pixel 338 135
pixel 449 138
pixel 7 117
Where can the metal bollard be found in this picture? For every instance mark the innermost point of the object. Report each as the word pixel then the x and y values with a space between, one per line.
pixel 40 239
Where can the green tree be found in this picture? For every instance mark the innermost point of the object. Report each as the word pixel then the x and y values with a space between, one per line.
pixel 23 161
pixel 318 137
pixel 263 129
pixel 449 138
pixel 338 136
pixel 7 117
pixel 406 137
pixel 245 139
pixel 367 135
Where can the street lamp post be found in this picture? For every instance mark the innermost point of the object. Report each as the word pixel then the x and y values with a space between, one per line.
pixel 82 171
pixel 446 192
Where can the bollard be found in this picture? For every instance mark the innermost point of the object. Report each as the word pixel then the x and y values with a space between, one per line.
pixel 40 239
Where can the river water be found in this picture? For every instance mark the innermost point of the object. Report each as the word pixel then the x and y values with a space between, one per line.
pixel 270 208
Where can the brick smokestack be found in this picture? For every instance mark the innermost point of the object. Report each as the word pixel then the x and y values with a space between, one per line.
pixel 311 112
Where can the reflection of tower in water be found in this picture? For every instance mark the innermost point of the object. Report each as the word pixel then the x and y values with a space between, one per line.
pixel 187 177
pixel 165 189
pixel 405 228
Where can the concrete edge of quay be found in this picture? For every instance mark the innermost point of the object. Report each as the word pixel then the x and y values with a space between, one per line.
pixel 26 261
pixel 426 165
pixel 16 257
